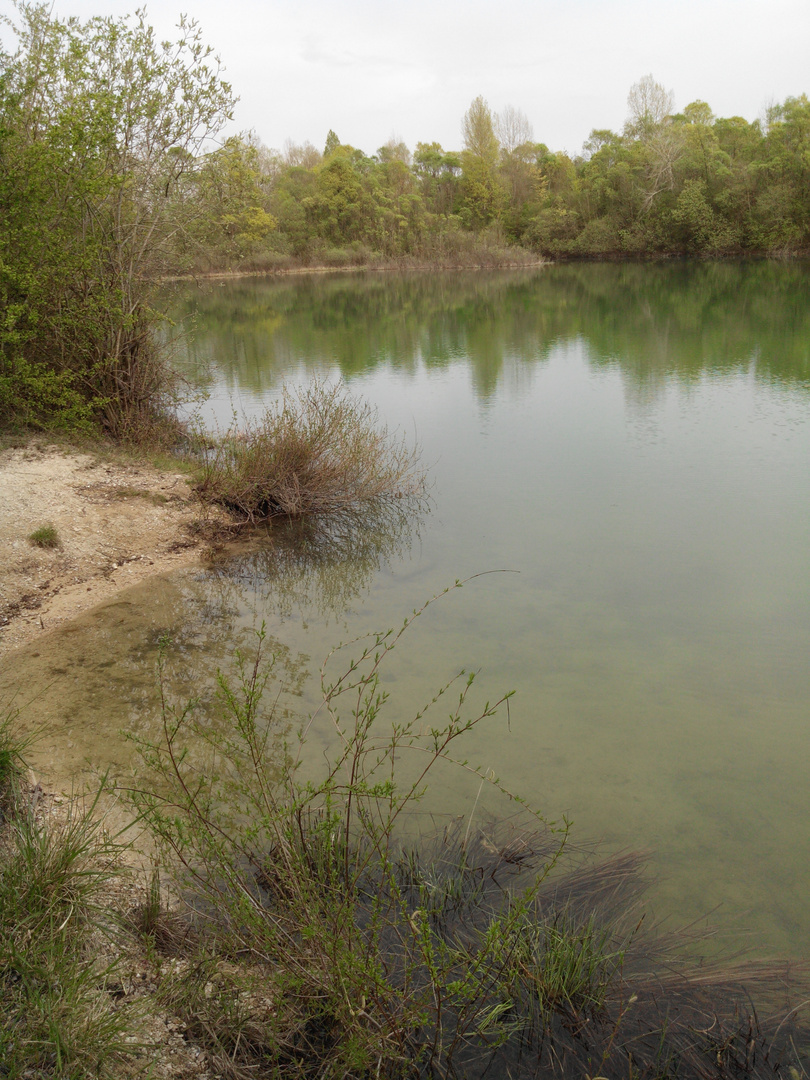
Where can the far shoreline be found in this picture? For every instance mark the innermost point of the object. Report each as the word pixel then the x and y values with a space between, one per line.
pixel 536 263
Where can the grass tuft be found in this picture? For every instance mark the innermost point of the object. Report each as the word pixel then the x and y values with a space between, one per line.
pixel 45 536
pixel 12 767
pixel 56 1017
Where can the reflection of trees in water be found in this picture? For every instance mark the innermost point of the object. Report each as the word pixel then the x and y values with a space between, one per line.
pixel 359 323
pixel 687 320
pixel 653 320
pixel 319 564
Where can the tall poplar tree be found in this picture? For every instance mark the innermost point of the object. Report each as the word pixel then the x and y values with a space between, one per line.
pixel 483 196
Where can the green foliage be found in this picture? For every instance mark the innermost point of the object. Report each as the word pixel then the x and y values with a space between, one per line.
pixel 699 225
pixel 231 182
pixel 689 183
pixel 482 197
pixel 478 132
pixel 33 395
pixel 100 128
pixel 572 966
pixel 332 144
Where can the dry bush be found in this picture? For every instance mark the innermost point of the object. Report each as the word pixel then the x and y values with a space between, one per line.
pixel 318 451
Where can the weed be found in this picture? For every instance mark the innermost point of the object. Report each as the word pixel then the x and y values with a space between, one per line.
pixel 163 931
pixel 45 536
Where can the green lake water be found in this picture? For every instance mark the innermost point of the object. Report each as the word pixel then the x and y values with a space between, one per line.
pixel 631 446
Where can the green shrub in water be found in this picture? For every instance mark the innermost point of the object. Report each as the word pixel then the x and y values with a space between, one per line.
pixel 496 951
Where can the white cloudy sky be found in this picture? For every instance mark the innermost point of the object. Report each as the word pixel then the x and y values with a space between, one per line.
pixel 373 68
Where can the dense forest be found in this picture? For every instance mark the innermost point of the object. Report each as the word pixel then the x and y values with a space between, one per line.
pixel 115 174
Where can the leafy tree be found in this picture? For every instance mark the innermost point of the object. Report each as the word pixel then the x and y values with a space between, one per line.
pixel 394 150
pixel 478 132
pixel 232 184
pixel 483 196
pixel 598 140
pixel 523 180
pixel 288 205
pixel 341 208
pixel 518 166
pixel 102 130
pixel 700 229
pixel 439 174
pixel 783 210
pixel 701 150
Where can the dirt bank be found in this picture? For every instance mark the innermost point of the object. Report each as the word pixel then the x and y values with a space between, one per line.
pixel 116 523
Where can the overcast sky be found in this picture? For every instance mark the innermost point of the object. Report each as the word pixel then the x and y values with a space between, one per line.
pixel 373 68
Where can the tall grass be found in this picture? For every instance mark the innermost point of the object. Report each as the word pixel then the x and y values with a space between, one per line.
pixel 498 951
pixel 12 766
pixel 56 1018
pixel 317 451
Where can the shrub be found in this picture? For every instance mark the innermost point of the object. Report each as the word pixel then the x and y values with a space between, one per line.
pixel 599 237
pixel 317 451
pixel 476 951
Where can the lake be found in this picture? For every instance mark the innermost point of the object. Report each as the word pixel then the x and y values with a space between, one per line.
pixel 629 445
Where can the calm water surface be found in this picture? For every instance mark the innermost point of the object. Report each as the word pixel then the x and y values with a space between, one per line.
pixel 630 443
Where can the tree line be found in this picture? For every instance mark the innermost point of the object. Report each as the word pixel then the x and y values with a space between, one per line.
pixel 114 175
pixel 686 182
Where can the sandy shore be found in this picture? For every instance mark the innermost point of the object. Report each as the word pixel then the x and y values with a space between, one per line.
pixel 117 525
